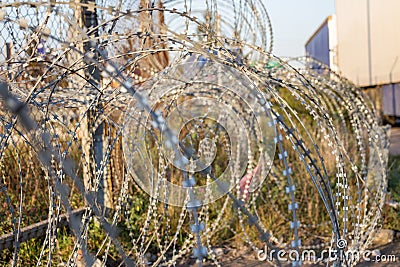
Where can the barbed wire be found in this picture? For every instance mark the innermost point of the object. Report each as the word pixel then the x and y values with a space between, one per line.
pixel 176 116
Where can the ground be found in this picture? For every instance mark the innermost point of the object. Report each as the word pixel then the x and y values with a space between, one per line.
pixel 250 260
pixel 394 148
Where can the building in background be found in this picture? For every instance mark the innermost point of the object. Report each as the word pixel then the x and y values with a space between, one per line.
pixel 322 44
pixel 362 42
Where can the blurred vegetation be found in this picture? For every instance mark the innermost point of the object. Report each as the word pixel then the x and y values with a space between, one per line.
pixel 271 202
pixel 391 214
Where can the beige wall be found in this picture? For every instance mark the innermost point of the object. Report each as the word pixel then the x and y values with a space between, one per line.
pixel 352 48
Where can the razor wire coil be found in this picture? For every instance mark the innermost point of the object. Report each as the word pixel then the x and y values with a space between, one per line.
pixel 173 65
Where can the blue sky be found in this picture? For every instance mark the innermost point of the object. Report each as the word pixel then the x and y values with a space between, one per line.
pixel 294 21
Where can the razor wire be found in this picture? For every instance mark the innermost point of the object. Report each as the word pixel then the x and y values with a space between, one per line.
pixel 191 106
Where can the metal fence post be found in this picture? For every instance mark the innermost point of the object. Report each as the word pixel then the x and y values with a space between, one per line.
pixel 95 148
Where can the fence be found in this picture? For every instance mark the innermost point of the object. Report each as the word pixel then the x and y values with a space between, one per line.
pixel 185 125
